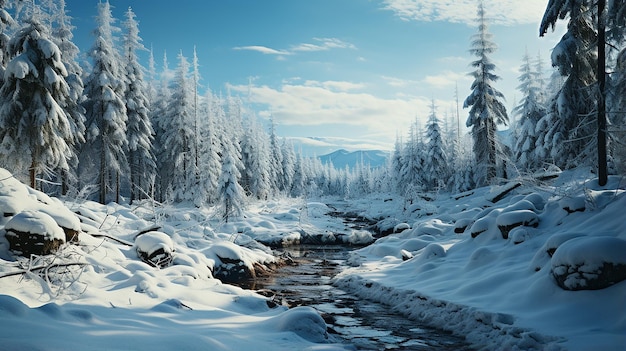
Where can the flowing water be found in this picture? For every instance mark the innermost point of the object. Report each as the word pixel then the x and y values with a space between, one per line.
pixel 365 324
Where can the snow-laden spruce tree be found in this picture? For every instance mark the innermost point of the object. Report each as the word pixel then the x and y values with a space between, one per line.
pixel 300 174
pixel 158 110
pixel 62 35
pixel 5 22
pixel 571 138
pixel 104 152
pixel 487 110
pixel 289 159
pixel 411 174
pixel 178 135
pixel 255 178
pixel 396 165
pixel 231 194
pixel 35 130
pixel 530 110
pixel 276 160
pixel 210 147
pixel 139 130
pixel 436 161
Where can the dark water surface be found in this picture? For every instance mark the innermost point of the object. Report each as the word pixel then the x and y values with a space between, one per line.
pixel 365 324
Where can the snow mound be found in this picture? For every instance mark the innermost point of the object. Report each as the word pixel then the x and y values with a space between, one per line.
pixel 304 321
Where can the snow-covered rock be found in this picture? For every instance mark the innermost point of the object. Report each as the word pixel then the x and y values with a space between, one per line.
pixel 155 248
pixel 33 232
pixel 506 221
pixel 590 263
pixel 461 224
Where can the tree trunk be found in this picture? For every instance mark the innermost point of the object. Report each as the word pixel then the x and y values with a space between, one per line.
pixel 32 175
pixel 103 176
pixel 602 157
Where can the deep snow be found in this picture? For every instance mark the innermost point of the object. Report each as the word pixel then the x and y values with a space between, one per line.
pixel 499 293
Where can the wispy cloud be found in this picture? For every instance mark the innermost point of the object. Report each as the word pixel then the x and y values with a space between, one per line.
pixel 319 44
pixel 262 49
pixel 335 85
pixel 505 12
pixel 323 44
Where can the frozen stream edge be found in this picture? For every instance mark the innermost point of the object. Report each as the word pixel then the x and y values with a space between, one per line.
pixel 475 326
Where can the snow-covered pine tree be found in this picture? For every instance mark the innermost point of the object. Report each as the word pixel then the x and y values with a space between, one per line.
pixel 487 110
pixel 195 82
pixel 289 159
pixel 158 116
pixel 276 160
pixel 63 36
pixel 231 194
pixel 5 22
pixel 396 165
pixel 139 130
pixel 530 110
pixel 178 135
pixel 571 138
pixel 35 131
pixel 412 161
pixel 436 161
pixel 298 187
pixel 104 152
pixel 255 157
pixel 210 149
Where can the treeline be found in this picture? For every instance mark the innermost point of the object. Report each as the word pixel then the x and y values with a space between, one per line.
pixel 113 130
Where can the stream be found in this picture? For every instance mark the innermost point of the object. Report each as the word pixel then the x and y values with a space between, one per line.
pixel 365 324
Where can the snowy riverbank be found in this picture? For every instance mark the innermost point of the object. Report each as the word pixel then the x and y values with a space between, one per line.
pixel 501 293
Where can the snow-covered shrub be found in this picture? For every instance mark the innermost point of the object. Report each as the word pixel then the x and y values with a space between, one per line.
pixel 590 263
pixel 155 248
pixel 33 232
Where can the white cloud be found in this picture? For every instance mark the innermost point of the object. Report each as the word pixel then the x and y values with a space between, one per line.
pixel 262 49
pixel 321 44
pixel 335 85
pixel 506 12
pixel 322 104
pixel 446 80
pixel 399 82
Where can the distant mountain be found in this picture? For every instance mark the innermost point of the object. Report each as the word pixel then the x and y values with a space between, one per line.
pixel 342 158
pixel 316 146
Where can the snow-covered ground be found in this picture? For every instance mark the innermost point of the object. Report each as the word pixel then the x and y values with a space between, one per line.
pixel 452 268
pixel 99 295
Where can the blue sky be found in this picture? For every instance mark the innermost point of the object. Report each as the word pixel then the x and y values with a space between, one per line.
pixel 356 69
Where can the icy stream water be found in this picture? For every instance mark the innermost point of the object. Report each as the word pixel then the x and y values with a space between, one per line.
pixel 365 324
